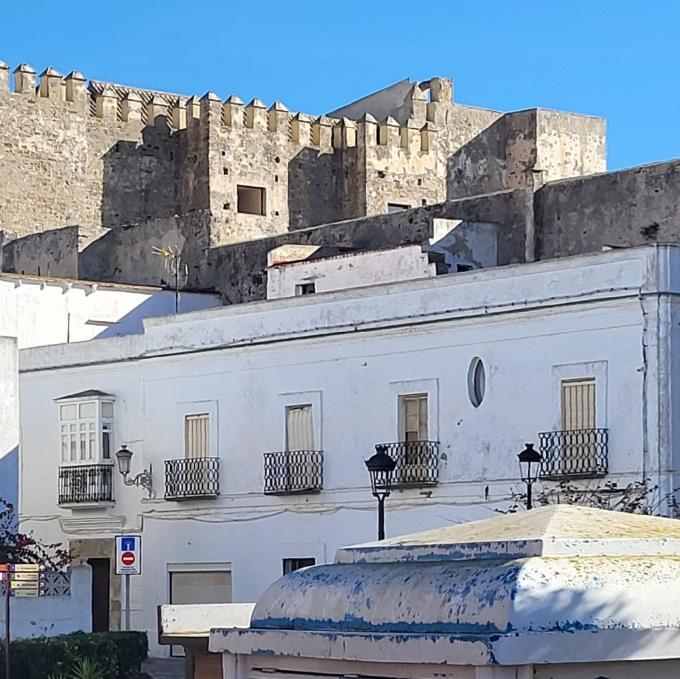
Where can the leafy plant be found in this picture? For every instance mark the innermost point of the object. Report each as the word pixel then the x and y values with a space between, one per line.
pixel 16 547
pixel 119 655
pixel 86 668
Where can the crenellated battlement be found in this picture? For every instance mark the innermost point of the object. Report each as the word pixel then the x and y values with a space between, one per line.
pixel 123 104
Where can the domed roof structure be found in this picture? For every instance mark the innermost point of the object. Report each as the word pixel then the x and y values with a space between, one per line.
pixel 513 589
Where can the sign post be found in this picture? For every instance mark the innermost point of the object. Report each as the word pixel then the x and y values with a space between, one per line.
pixel 128 562
pixel 4 570
pixel 21 579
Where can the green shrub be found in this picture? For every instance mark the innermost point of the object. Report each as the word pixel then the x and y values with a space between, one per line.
pixel 117 654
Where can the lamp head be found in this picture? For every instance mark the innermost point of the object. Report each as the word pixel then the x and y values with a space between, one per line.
pixel 380 468
pixel 123 457
pixel 529 463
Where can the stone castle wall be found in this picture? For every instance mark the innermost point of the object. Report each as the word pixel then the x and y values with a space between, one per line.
pixel 97 155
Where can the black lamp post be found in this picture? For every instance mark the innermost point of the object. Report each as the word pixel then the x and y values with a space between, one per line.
pixel 529 473
pixel 380 467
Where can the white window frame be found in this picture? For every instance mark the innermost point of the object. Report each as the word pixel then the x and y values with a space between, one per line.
pixel 102 423
pixel 302 398
pixel 188 408
pixel 427 387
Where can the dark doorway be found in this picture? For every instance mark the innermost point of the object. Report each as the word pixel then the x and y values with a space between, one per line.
pixel 100 594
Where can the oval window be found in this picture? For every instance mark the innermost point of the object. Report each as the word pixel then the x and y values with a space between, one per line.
pixel 476 381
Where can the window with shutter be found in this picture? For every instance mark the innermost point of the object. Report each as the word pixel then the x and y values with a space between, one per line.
pixel 578 404
pixel 578 415
pixel 414 417
pixel 299 428
pixel 197 436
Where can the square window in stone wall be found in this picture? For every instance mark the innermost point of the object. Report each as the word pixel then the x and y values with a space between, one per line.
pixel 251 200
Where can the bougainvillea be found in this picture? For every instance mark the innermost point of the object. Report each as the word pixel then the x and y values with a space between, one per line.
pixel 17 547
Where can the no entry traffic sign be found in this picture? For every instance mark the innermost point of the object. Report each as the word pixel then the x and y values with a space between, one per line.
pixel 128 555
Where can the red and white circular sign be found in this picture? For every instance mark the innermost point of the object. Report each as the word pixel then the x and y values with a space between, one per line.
pixel 128 558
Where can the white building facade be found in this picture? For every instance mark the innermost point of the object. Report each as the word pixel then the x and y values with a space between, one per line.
pixel 255 420
pixel 40 311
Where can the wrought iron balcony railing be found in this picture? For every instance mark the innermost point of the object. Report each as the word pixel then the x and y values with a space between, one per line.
pixel 417 462
pixel 293 471
pixel 573 454
pixel 85 484
pixel 192 478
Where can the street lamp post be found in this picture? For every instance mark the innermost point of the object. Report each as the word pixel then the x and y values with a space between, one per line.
pixel 143 479
pixel 380 468
pixel 529 473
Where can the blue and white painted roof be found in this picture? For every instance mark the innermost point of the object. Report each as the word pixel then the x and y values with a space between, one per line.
pixel 522 588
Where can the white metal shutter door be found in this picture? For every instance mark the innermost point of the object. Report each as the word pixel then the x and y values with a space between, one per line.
pixel 197 436
pixel 299 428
pixel 200 587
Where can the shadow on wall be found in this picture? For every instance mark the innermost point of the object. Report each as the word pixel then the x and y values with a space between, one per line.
pixel 312 189
pixel 160 304
pixel 9 478
pixel 140 181
pixel 496 159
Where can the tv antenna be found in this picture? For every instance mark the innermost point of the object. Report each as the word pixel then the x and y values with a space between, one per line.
pixel 173 264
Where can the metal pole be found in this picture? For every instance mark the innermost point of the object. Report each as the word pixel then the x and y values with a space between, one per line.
pixel 176 285
pixel 529 494
pixel 127 602
pixel 381 518
pixel 8 593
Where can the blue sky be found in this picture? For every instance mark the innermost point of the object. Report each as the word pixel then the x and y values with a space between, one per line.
pixel 614 59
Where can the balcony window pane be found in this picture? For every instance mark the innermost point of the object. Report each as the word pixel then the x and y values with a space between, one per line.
pixel 88 409
pixel 68 412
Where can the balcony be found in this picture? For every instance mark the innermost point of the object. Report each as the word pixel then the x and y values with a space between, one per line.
pixel 192 478
pixel 417 463
pixel 574 454
pixel 293 471
pixel 85 484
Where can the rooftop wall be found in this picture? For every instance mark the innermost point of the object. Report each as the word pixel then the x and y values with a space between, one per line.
pixel 619 209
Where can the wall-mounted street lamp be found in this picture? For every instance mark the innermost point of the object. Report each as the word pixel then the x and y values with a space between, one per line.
pixel 143 479
pixel 529 466
pixel 380 468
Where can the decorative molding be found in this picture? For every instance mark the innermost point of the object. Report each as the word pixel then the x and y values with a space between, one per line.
pixel 91 525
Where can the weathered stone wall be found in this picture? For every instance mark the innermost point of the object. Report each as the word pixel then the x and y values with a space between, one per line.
pixel 527 149
pixel 63 165
pixel 128 254
pixel 238 271
pixel 621 209
pixel 50 253
pixel 150 169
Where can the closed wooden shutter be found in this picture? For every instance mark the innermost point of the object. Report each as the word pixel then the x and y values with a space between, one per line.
pixel 414 418
pixel 299 428
pixel 578 404
pixel 197 436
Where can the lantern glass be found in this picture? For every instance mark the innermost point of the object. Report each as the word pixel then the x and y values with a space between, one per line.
pixel 380 468
pixel 123 457
pixel 529 463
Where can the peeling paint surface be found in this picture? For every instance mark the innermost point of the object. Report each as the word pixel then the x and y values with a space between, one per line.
pixel 611 593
